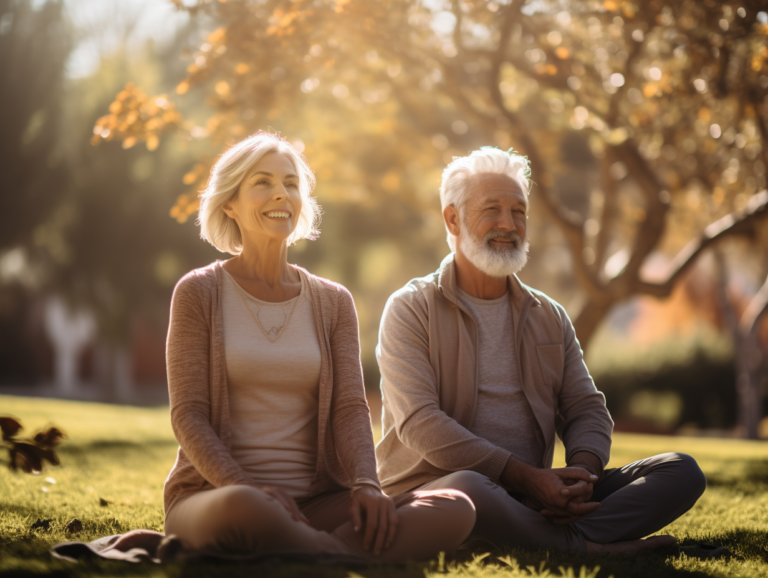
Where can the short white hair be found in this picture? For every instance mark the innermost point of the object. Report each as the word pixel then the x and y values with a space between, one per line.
pixel 454 189
pixel 228 173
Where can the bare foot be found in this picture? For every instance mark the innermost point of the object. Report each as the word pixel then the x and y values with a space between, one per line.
pixel 646 546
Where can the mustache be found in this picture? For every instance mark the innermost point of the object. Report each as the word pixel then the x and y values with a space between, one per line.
pixel 497 235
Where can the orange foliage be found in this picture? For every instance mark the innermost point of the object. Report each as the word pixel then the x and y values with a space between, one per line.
pixel 133 117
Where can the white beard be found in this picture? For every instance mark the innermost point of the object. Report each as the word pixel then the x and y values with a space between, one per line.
pixel 494 261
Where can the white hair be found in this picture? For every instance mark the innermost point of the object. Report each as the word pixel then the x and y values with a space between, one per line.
pixel 454 189
pixel 228 173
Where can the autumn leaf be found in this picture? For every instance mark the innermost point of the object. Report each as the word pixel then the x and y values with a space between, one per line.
pixel 42 524
pixel 10 426
pixel 50 437
pixel 30 455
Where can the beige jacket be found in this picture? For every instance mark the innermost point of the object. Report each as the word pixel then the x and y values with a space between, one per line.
pixel 197 382
pixel 429 371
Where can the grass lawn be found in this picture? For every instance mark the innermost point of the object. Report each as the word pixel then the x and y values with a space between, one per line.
pixel 123 454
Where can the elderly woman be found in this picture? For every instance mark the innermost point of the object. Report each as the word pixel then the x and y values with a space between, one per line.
pixel 267 400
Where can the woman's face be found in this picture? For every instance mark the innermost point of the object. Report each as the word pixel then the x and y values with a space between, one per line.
pixel 268 203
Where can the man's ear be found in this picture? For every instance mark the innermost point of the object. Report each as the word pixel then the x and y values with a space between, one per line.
pixel 451 218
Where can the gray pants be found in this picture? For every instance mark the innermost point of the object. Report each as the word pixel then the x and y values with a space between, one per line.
pixel 636 500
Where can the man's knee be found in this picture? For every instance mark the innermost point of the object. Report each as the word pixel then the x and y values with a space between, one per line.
pixel 690 473
pixel 480 489
pixel 682 474
pixel 466 481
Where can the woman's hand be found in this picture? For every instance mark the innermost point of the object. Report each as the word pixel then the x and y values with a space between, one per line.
pixel 286 501
pixel 381 519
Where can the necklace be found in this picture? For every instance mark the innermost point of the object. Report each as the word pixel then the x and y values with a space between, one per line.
pixel 274 316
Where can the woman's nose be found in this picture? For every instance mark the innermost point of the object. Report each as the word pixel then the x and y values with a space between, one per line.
pixel 280 193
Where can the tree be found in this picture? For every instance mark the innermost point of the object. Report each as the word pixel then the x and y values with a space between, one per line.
pixel 646 122
pixel 670 98
pixel 31 86
pixel 123 255
pixel 92 221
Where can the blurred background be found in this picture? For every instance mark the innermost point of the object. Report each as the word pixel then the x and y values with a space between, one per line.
pixel 646 123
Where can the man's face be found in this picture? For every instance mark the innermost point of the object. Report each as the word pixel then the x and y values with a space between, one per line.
pixel 495 203
pixel 493 221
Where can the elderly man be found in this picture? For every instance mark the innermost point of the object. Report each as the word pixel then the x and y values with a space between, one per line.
pixel 478 373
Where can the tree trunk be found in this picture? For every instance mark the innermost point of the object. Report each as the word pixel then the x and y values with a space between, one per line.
pixel 589 318
pixel 748 355
pixel 749 386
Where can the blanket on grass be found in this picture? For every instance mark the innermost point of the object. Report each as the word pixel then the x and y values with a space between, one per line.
pixel 157 548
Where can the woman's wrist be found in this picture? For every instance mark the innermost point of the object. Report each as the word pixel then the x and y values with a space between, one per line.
pixel 365 483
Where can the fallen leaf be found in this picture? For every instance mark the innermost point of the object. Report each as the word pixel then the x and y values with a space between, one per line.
pixel 27 462
pixel 74 526
pixel 50 437
pixel 28 456
pixel 41 524
pixel 10 426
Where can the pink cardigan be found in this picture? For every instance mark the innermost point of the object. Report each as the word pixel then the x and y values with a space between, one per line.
pixel 197 382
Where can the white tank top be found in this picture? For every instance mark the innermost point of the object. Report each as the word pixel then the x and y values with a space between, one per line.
pixel 272 356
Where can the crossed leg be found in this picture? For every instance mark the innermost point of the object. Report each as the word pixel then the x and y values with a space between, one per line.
pixel 643 497
pixel 636 500
pixel 245 520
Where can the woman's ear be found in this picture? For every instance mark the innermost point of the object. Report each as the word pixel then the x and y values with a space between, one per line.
pixel 228 209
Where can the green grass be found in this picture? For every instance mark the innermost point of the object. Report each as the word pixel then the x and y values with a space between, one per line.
pixel 123 454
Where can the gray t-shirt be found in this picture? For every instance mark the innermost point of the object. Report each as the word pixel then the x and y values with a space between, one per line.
pixel 503 415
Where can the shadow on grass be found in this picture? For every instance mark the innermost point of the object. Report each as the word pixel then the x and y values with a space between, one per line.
pixel 101 445
pixel 28 541
pixel 750 478
pixel 619 566
pixel 746 544
pixel 50 567
pixel 553 564
pixel 28 556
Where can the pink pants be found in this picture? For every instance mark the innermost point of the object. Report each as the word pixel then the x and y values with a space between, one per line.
pixel 245 520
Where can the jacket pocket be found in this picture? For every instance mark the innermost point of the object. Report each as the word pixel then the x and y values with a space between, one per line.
pixel 551 363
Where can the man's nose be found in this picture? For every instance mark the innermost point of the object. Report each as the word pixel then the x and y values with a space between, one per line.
pixel 506 222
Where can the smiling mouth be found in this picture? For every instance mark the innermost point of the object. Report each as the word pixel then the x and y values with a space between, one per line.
pixel 278 215
pixel 510 242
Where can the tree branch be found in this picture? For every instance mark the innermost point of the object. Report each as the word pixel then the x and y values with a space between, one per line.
pixel 570 223
pixel 755 311
pixel 760 110
pixel 629 74
pixel 741 223
pixel 656 211
pixel 608 185
pixel 456 9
